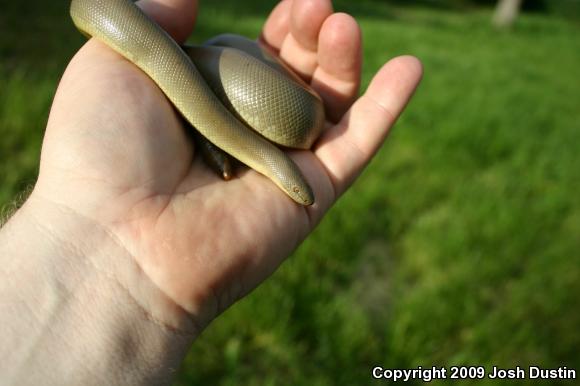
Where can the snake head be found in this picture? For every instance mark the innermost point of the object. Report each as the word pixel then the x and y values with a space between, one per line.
pixel 302 195
pixel 287 175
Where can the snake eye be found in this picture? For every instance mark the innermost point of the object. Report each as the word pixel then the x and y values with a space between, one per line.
pixel 295 189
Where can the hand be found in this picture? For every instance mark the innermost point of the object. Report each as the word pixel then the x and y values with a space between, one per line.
pixel 116 154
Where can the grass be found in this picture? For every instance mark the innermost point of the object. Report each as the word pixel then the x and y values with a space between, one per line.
pixel 459 245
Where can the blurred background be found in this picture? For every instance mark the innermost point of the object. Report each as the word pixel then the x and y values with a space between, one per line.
pixel 460 244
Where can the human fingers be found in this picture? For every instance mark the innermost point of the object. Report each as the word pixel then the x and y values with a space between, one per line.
pixel 337 76
pixel 177 17
pixel 300 47
pixel 277 26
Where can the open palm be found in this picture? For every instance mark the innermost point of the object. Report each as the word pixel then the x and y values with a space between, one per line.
pixel 116 152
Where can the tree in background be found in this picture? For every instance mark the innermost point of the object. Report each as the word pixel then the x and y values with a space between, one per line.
pixel 506 12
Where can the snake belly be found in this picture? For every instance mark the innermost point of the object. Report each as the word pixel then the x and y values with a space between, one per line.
pixel 292 118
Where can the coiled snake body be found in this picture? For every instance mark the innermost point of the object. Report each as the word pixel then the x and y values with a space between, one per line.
pixel 279 109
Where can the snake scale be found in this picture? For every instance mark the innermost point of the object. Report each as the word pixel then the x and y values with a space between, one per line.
pixel 263 107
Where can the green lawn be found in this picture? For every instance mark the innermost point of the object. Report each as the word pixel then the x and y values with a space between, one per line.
pixel 459 245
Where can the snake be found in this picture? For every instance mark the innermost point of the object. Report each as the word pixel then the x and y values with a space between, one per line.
pixel 265 112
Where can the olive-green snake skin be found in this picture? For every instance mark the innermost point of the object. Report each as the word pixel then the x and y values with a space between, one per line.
pixel 279 109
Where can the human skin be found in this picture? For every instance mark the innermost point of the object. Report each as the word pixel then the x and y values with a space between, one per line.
pixel 128 245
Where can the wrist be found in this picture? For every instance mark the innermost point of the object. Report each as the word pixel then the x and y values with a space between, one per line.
pixel 74 303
